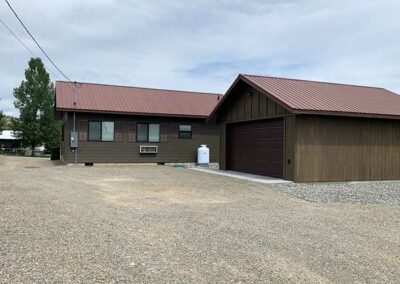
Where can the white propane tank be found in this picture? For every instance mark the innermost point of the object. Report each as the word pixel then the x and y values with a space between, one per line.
pixel 203 155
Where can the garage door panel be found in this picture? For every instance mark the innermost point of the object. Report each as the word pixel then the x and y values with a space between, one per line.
pixel 257 147
pixel 268 136
pixel 254 139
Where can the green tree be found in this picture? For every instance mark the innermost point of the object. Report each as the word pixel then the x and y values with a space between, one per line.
pixel 3 121
pixel 35 100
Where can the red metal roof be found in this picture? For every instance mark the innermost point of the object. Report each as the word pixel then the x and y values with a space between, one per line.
pixel 312 96
pixel 122 99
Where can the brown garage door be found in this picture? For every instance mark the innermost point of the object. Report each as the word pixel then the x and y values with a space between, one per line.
pixel 257 147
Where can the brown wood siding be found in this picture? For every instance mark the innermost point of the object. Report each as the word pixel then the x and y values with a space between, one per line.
pixel 246 104
pixel 170 148
pixel 271 107
pixel 345 149
pixel 290 143
pixel 223 146
pixel 120 130
pixel 131 131
pixel 262 106
pixel 197 130
pixel 164 132
pixel 255 104
pixel 82 126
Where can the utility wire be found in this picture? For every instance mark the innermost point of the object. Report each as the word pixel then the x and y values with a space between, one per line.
pixel 26 47
pixel 11 32
pixel 33 38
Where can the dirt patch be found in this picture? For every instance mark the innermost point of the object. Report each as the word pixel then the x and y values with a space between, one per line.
pixel 133 191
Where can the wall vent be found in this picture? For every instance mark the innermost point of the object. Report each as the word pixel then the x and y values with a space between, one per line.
pixel 143 149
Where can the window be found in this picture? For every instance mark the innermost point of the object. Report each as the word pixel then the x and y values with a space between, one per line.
pixel 185 131
pixel 142 132
pixel 148 132
pixel 154 133
pixel 94 131
pixel 107 131
pixel 101 131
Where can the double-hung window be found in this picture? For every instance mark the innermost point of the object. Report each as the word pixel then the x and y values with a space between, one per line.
pixel 148 132
pixel 101 131
pixel 185 131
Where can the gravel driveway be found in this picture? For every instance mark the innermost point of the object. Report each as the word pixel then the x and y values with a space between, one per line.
pixel 156 224
pixel 371 192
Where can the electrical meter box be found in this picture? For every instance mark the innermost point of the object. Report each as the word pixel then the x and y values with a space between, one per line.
pixel 74 140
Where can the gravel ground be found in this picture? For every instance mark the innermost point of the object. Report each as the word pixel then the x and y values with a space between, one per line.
pixel 156 224
pixel 374 192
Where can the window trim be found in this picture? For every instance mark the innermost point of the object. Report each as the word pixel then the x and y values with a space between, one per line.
pixel 101 131
pixel 191 131
pixel 148 132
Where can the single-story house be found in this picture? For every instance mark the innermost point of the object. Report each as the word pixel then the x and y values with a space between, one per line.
pixel 8 140
pixel 309 131
pixel 119 124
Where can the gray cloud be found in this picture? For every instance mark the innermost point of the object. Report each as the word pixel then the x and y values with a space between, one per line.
pixel 202 45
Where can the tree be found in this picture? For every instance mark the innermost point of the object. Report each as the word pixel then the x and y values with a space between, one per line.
pixel 3 121
pixel 35 100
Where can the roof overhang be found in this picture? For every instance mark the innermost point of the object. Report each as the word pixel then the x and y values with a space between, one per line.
pixel 130 113
pixel 347 114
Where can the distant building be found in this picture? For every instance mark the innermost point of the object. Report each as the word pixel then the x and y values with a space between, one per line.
pixel 8 140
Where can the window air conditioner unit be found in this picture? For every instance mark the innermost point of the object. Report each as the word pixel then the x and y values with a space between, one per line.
pixel 148 149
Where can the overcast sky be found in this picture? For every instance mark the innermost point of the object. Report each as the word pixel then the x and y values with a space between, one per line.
pixel 204 45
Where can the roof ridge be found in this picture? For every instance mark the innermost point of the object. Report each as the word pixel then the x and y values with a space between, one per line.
pixel 314 81
pixel 134 87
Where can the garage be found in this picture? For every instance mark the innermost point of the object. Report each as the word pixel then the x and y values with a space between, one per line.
pixel 257 147
pixel 309 131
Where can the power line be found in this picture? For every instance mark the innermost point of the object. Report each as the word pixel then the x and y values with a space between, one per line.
pixel 26 47
pixel 11 32
pixel 33 38
pixel 29 50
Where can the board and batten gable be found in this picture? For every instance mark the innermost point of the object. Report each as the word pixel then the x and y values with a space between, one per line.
pixel 246 103
pixel 125 148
